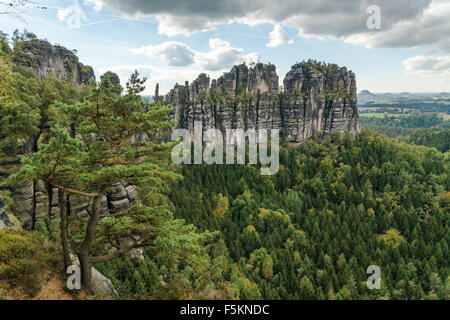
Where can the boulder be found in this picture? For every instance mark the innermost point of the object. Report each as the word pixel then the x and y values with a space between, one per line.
pixel 7 220
pixel 4 219
pixel 119 193
pixel 131 192
pixel 100 284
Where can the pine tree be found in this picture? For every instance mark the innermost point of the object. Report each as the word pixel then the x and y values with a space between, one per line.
pixel 106 152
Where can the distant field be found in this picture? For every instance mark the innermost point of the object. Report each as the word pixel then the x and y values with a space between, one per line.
pixel 381 115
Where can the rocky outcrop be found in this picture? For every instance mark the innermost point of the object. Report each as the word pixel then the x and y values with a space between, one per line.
pixel 31 200
pixel 7 220
pixel 317 99
pixel 36 200
pixel 122 197
pixel 114 79
pixel 45 58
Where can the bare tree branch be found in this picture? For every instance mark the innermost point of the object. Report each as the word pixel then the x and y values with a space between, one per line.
pixel 15 8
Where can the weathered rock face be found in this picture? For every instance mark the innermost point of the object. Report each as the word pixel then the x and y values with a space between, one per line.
pixel 316 99
pixel 319 101
pixel 36 200
pixel 47 59
pixel 31 200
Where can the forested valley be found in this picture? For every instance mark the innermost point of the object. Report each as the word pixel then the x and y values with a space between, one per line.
pixel 338 204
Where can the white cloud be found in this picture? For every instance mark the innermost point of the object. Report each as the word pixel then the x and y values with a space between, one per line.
pixel 431 27
pixel 216 44
pixel 181 25
pixel 174 53
pixel 405 23
pixel 221 56
pixel 429 67
pixel 97 4
pixel 62 14
pixel 278 37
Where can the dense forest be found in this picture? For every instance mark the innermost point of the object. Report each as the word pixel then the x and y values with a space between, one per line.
pixel 338 204
pixel 336 207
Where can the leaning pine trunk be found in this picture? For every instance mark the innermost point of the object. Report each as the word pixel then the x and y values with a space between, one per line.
pixel 64 228
pixel 83 253
pixel 86 272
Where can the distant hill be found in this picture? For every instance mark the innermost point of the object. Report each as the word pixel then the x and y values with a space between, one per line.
pixel 366 97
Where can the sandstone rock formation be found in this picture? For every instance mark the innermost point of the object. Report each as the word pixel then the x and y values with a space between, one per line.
pixel 317 99
pixel 114 79
pixel 45 58
pixel 30 200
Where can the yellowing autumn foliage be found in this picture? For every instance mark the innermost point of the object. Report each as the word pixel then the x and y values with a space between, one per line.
pixel 263 212
pixel 222 206
pixel 297 258
pixel 250 229
pixel 445 200
pixel 392 238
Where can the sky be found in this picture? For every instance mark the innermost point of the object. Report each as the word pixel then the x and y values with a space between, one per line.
pixel 391 46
